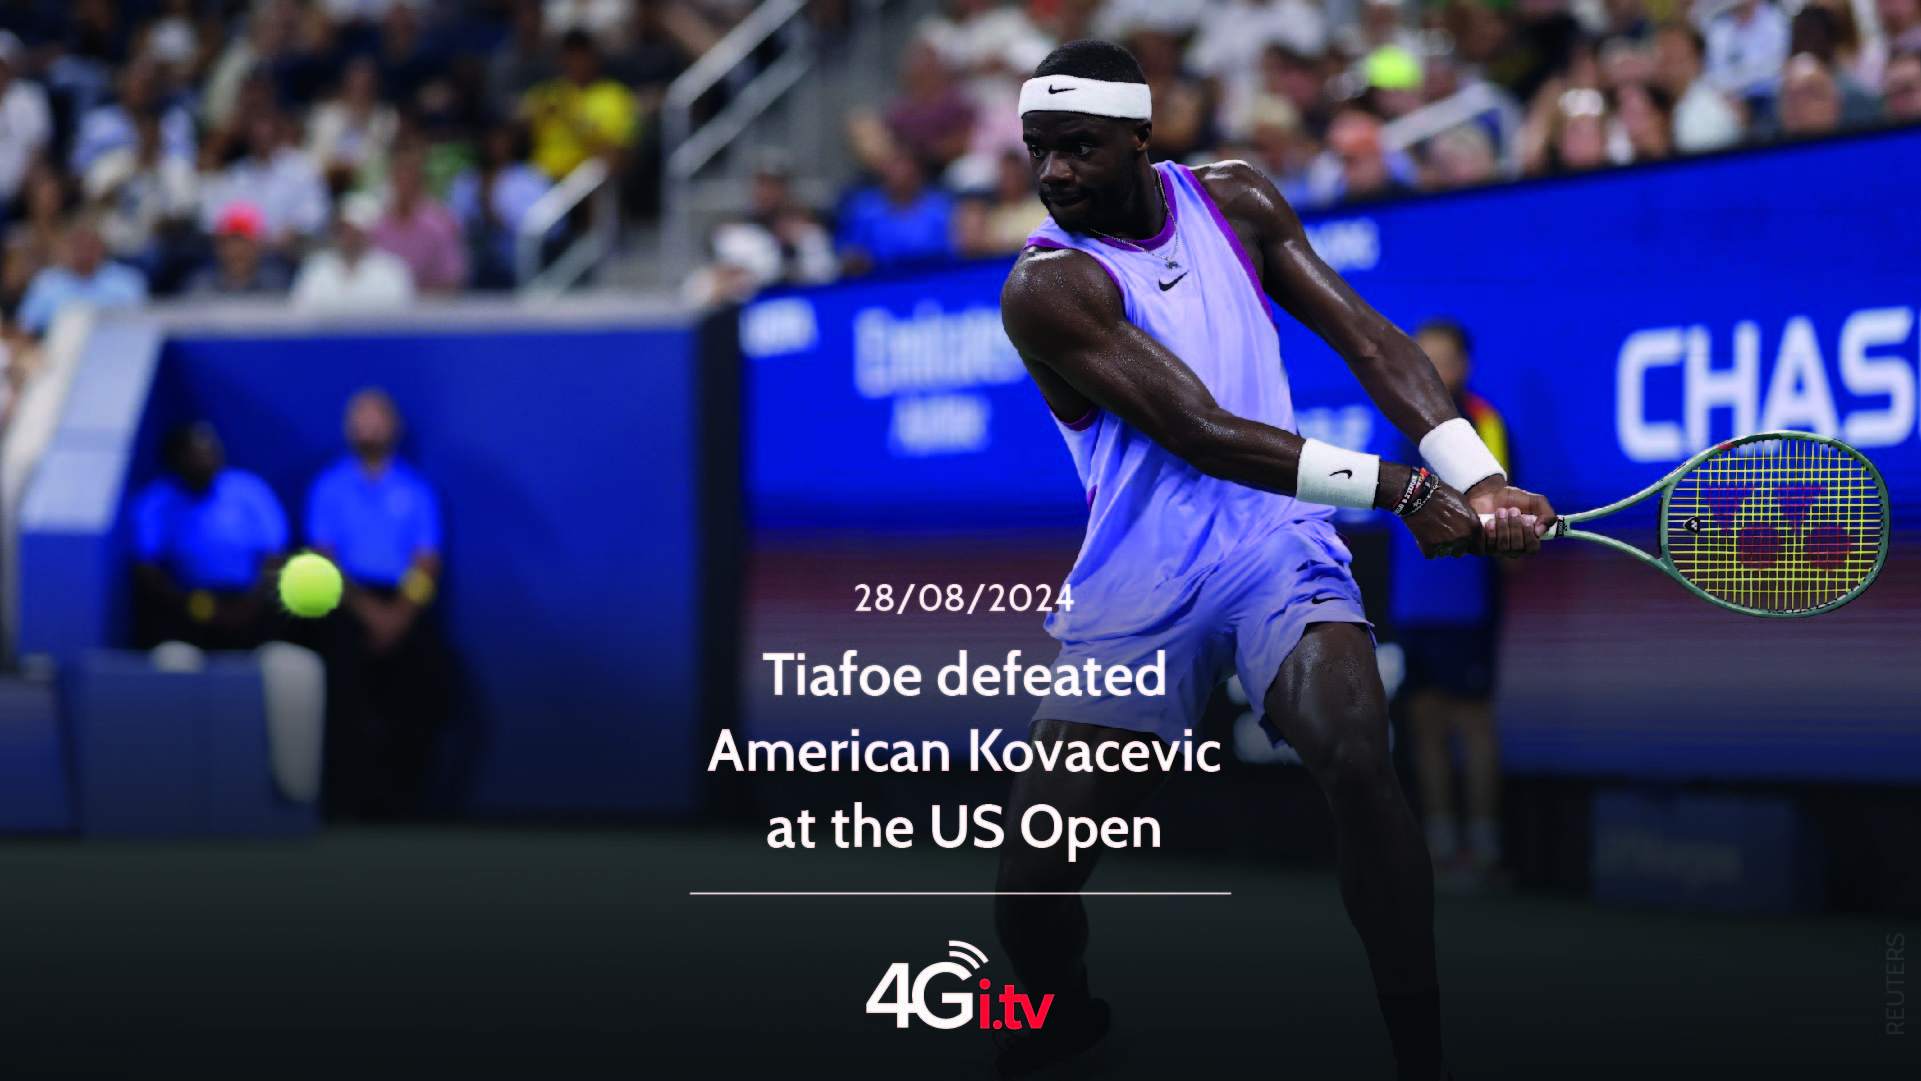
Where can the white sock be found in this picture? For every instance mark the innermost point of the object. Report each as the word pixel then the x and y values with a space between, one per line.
pixel 1443 837
pixel 1484 841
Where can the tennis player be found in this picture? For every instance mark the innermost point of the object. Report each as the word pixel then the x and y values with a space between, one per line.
pixel 1141 310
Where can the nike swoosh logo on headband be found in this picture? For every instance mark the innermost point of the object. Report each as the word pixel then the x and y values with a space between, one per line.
pixel 1340 472
pixel 1059 89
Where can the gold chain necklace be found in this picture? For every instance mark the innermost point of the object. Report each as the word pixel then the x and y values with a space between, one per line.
pixel 1167 215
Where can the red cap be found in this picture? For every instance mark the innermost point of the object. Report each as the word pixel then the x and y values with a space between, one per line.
pixel 240 219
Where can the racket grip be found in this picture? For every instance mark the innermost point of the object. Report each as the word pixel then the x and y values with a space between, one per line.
pixel 1488 520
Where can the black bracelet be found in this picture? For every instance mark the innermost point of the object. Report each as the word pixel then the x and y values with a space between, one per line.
pixel 1407 493
pixel 1421 486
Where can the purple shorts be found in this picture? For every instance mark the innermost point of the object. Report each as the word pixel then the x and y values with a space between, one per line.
pixel 1244 618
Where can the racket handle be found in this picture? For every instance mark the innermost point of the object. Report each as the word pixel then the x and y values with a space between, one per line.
pixel 1488 520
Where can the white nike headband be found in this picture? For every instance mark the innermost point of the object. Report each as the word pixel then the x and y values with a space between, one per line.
pixel 1096 97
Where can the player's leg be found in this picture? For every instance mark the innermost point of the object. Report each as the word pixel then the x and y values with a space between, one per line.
pixel 1328 701
pixel 1046 937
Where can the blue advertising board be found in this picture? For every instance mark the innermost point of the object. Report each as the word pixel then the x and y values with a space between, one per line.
pixel 898 402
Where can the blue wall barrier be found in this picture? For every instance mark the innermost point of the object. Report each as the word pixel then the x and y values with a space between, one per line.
pixel 170 754
pixel 34 789
pixel 567 465
pixel 73 579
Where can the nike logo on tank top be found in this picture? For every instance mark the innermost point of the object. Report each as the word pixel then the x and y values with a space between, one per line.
pixel 1156 525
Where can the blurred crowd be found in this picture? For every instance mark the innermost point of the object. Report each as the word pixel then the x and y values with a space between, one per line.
pixel 335 152
pixel 1337 106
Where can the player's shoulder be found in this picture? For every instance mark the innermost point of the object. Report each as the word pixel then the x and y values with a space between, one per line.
pixel 1233 178
pixel 1232 172
pixel 1044 275
pixel 1243 190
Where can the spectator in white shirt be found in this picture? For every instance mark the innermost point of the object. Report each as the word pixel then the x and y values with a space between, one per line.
pixel 269 33
pixel 1119 18
pixel 174 41
pixel 601 18
pixel 348 137
pixel 777 240
pixel 1233 38
pixel 984 37
pixel 1747 44
pixel 139 191
pixel 1704 118
pixel 26 123
pixel 353 275
pixel 990 49
pixel 113 126
pixel 279 179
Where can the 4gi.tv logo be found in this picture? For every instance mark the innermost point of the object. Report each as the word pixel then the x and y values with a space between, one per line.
pixel 910 995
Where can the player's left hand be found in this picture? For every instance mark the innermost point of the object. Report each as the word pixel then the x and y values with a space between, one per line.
pixel 1520 517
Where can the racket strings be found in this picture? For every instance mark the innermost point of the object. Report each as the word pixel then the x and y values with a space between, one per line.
pixel 1777 525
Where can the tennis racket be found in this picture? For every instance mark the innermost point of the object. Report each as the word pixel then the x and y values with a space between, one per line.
pixel 1778 524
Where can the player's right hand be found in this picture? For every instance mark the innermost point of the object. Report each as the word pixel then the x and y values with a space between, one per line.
pixel 1447 526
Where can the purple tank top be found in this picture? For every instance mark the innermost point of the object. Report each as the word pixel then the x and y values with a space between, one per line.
pixel 1156 525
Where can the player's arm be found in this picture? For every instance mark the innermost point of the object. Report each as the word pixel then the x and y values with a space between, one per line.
pixel 1390 366
pixel 1067 319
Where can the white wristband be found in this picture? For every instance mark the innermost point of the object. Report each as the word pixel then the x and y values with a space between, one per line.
pixel 1458 456
pixel 1336 477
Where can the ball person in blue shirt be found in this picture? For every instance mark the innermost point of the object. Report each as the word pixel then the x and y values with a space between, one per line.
pixel 388 670
pixel 207 541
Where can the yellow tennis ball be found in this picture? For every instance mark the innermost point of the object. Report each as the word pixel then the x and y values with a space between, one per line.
pixel 310 585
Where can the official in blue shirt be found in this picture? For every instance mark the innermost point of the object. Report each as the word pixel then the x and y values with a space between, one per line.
pixel 388 669
pixel 379 522
pixel 1446 615
pixel 207 539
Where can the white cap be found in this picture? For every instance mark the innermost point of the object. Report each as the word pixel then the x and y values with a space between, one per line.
pixel 362 210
